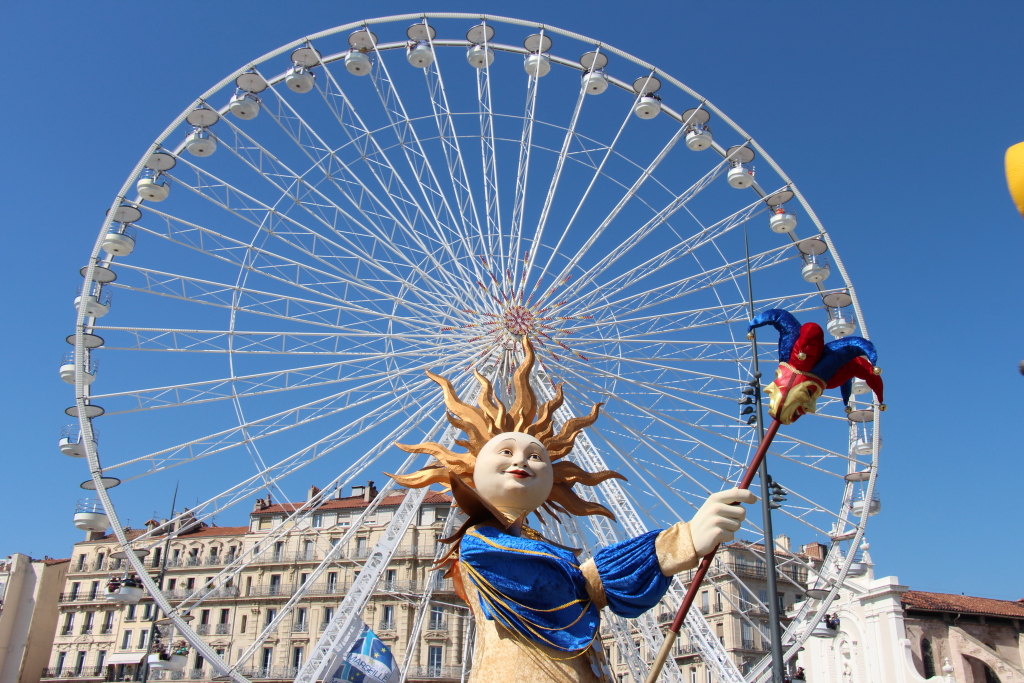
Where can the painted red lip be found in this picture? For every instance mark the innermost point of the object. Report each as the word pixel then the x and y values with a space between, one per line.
pixel 519 474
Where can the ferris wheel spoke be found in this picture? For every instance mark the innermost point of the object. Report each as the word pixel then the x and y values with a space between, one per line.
pixel 661 377
pixel 570 135
pixel 350 185
pixel 418 161
pixel 664 292
pixel 630 193
pixel 663 448
pixel 515 235
pixel 258 302
pixel 281 269
pixel 315 203
pixel 268 343
pixel 241 387
pixel 670 323
pixel 673 423
pixel 449 140
pixel 391 182
pixel 261 428
pixel 598 173
pixel 285 229
pixel 634 239
pixel 492 204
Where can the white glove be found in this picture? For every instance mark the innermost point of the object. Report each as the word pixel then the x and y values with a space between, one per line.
pixel 718 520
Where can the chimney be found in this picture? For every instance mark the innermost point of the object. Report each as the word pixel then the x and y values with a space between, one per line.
pixel 357 491
pixel 815 551
pixel 369 493
pixel 312 493
pixel 782 542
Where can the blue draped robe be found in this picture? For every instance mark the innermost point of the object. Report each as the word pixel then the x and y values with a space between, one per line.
pixel 537 590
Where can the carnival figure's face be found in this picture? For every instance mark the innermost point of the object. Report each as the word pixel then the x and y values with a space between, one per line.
pixel 513 472
pixel 792 394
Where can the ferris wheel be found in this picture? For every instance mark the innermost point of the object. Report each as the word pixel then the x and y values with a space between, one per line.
pixel 420 192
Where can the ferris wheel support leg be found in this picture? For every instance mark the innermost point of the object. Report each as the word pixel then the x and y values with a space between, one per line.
pixel 705 564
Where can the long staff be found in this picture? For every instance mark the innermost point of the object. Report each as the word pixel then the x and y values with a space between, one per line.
pixel 705 564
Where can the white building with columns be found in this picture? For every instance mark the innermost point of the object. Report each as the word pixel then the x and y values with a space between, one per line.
pixel 888 633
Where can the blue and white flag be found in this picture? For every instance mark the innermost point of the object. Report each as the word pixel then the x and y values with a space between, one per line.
pixel 369 661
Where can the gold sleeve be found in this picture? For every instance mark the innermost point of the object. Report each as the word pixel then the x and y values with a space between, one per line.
pixel 674 548
pixel 595 587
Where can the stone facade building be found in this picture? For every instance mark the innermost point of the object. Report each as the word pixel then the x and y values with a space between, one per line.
pixel 29 590
pixel 96 640
pixel 890 634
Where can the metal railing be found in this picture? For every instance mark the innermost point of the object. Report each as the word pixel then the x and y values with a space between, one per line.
pixel 279 672
pixel 452 672
pixel 386 626
pixel 203 629
pixel 178 594
pixel 437 625
pixel 300 627
pixel 74 672
pixel 223 629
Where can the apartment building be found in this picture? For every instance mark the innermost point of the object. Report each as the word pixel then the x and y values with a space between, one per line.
pixel 28 612
pixel 96 640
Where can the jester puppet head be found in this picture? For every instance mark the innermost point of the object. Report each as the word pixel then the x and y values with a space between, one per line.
pixel 513 465
pixel 808 366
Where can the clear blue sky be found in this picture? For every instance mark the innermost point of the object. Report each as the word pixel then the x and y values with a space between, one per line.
pixel 891 117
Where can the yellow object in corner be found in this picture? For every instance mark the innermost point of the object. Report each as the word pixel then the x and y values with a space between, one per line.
pixel 1015 174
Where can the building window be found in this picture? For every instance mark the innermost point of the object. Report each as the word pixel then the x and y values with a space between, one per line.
pixel 297 657
pixel 275 584
pixel 87 626
pixel 328 616
pixel 307 550
pixel 301 624
pixel 266 660
pixel 101 657
pixel 75 587
pixel 990 675
pixel 332 581
pixel 387 619
pixel 693 675
pixel 436 618
pixel 245 619
pixel 782 601
pixel 143 637
pixel 69 624
pixel 318 521
pixel 147 611
pixel 927 659
pixel 108 622
pixel 130 614
pixel 79 662
pixel 434 658
pixel 81 563
pixel 390 579
pixel 126 640
pixel 271 613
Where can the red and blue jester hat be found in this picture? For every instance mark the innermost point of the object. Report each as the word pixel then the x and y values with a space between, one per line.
pixel 808 366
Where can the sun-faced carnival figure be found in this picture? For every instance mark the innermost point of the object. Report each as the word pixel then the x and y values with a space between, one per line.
pixel 536 607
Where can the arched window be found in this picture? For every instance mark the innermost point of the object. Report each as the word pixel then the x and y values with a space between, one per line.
pixel 927 658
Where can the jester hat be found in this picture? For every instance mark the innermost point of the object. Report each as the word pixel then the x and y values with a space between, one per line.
pixel 808 366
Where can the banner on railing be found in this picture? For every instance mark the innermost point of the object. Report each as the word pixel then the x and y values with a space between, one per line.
pixel 369 661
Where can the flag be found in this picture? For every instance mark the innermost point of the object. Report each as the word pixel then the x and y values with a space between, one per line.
pixel 369 661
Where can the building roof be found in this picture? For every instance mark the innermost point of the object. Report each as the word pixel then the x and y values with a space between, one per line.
pixel 50 561
pixel 214 531
pixel 394 499
pixel 945 602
